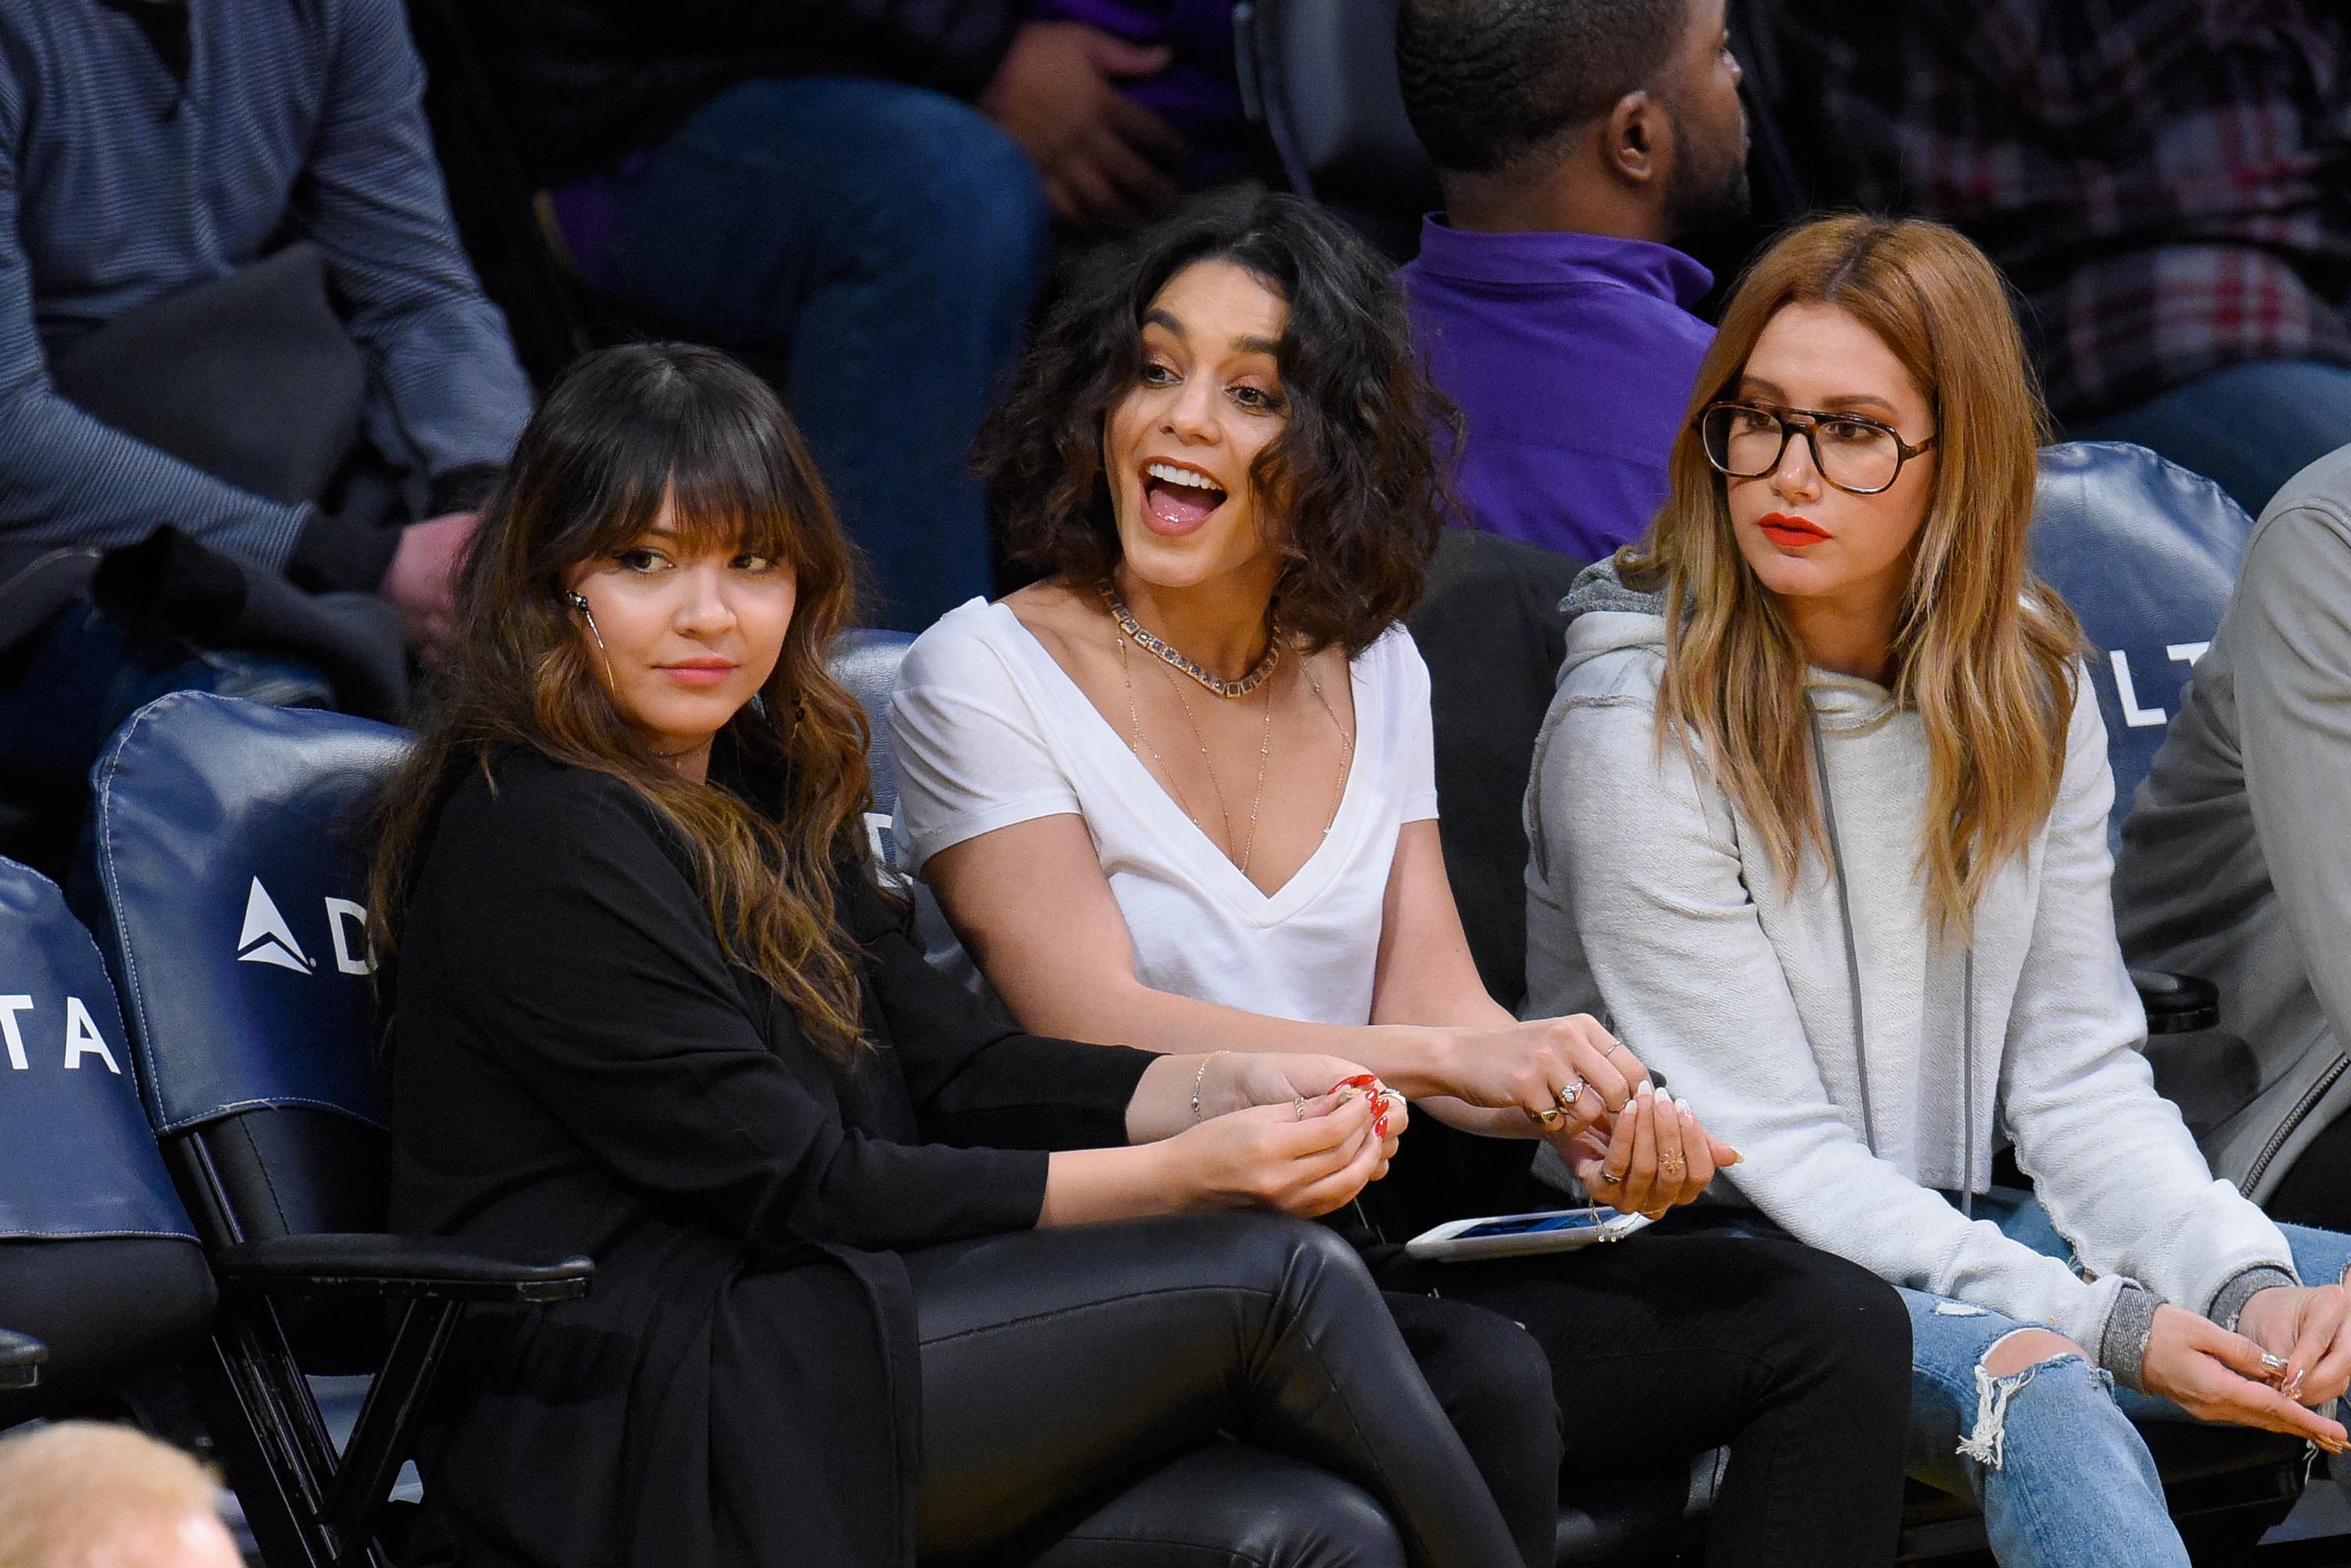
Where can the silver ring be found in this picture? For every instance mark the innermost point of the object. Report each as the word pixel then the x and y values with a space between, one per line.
pixel 1298 1104
pixel 1568 1096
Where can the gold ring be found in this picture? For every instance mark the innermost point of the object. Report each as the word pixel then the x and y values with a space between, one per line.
pixel 1547 1119
pixel 1568 1096
pixel 1298 1104
pixel 1610 1178
pixel 1671 1169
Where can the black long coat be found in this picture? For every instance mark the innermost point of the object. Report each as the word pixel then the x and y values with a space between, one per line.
pixel 577 1068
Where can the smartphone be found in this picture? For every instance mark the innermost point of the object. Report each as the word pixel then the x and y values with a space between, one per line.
pixel 1517 1235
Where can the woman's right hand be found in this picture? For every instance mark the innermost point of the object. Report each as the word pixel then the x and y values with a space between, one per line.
pixel 1565 1074
pixel 2216 1375
pixel 1301 1157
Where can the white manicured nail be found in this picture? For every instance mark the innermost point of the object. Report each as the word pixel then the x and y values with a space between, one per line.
pixel 1647 1088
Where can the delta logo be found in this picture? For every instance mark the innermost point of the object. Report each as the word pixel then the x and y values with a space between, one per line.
pixel 268 937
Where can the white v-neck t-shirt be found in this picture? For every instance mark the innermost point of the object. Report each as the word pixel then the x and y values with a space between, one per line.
pixel 990 731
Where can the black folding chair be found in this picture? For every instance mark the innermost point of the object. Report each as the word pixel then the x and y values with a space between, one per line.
pixel 100 1274
pixel 225 884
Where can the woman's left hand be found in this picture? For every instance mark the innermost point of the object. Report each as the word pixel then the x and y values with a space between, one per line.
pixel 1657 1156
pixel 2310 1326
pixel 1236 1079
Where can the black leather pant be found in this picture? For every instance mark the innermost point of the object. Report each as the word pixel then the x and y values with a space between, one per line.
pixel 1061 1366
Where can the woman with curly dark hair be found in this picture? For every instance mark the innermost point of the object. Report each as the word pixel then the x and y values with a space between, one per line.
pixel 877 1276
pixel 1180 794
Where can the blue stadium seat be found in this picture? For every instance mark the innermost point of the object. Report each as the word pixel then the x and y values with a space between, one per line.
pixel 2146 553
pixel 866 662
pixel 98 1259
pixel 226 881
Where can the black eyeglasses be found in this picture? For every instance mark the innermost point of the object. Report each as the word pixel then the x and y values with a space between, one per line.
pixel 1860 457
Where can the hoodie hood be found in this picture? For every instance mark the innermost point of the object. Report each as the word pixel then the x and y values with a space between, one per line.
pixel 1611 627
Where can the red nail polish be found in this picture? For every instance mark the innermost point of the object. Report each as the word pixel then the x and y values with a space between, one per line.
pixel 1362 1081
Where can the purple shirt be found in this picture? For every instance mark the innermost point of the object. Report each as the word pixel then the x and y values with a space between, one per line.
pixel 1572 357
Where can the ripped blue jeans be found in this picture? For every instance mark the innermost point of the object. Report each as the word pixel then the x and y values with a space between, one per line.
pixel 2050 1454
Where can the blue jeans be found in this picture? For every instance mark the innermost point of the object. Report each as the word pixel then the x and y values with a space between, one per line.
pixel 2250 428
pixel 2048 1454
pixel 882 246
pixel 66 688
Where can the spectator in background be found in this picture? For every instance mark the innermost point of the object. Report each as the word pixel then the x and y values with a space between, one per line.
pixel 1574 140
pixel 1197 94
pixel 182 188
pixel 83 1495
pixel 2235 865
pixel 855 195
pixel 2162 180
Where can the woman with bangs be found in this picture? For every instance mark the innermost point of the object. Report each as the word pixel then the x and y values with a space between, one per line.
pixel 878 1277
pixel 1819 818
pixel 1180 794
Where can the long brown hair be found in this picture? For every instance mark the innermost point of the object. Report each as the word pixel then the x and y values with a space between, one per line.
pixel 623 430
pixel 1983 650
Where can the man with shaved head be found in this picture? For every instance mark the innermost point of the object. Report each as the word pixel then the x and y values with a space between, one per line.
pixel 1574 141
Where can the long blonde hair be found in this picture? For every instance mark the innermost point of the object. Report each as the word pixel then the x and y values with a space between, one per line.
pixel 1983 651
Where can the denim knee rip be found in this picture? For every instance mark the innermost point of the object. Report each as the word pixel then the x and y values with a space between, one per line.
pixel 1987 1443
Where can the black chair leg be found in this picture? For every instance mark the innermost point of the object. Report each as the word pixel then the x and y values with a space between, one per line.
pixel 280 1458
pixel 386 1431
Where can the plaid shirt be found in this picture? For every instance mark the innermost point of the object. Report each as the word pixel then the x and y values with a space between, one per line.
pixel 2168 182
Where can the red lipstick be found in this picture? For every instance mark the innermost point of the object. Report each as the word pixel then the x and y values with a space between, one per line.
pixel 1790 531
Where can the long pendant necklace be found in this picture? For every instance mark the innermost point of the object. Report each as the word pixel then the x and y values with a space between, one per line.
pixel 1346 754
pixel 1141 743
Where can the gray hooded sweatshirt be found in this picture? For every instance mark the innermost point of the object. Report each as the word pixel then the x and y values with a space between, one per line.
pixel 2236 858
pixel 1861 1065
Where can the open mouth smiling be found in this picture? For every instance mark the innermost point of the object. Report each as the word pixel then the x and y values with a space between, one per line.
pixel 1177 497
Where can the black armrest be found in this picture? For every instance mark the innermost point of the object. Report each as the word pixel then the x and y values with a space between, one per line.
pixel 20 1360
pixel 409 1266
pixel 2176 1004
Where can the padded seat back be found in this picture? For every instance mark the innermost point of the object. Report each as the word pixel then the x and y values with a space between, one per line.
pixel 866 662
pixel 2146 554
pixel 228 887
pixel 98 1258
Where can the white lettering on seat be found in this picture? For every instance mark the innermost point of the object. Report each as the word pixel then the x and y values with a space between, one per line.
pixel 339 910
pixel 82 1037
pixel 2136 716
pixel 9 1008
pixel 2185 652
pixel 266 938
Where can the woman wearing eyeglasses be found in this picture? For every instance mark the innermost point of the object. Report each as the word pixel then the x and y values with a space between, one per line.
pixel 1180 795
pixel 1818 818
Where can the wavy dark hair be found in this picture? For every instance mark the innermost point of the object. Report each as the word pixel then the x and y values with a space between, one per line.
pixel 1354 470
pixel 621 431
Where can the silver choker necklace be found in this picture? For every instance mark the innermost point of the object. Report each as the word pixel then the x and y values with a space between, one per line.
pixel 1175 660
